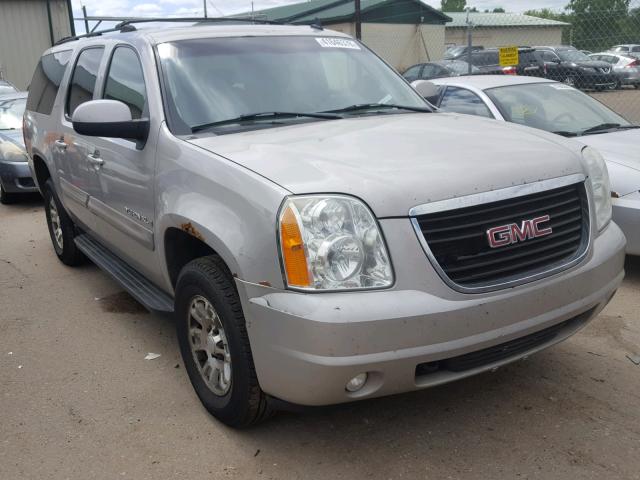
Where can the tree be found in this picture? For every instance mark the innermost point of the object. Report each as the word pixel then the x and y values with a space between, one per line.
pixel 499 10
pixel 598 24
pixel 453 5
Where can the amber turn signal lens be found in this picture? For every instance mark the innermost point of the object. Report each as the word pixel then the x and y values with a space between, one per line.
pixel 293 255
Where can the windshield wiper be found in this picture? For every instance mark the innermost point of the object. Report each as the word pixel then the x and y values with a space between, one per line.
pixel 378 106
pixel 262 116
pixel 607 126
pixel 565 133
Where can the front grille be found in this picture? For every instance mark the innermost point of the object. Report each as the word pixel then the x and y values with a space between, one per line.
pixel 457 239
pixel 513 348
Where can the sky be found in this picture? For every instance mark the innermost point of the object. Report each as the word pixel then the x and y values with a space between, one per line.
pixel 154 8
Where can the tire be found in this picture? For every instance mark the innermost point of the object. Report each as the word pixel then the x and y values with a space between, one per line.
pixel 569 80
pixel 5 197
pixel 234 397
pixel 58 218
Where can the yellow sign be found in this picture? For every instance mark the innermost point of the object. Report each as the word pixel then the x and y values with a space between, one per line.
pixel 508 56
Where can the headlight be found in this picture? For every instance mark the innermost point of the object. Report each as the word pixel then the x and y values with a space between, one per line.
pixel 332 242
pixel 599 178
pixel 10 152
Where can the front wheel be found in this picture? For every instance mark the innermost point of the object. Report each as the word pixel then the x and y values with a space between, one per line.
pixel 61 228
pixel 569 81
pixel 215 346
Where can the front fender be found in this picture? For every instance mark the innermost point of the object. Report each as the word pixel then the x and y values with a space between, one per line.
pixel 230 208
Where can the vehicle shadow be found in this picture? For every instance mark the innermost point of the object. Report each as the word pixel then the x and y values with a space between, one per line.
pixel 632 269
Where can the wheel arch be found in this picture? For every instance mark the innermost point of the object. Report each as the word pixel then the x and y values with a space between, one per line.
pixel 185 240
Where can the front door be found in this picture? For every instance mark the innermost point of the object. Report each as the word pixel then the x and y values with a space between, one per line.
pixel 124 205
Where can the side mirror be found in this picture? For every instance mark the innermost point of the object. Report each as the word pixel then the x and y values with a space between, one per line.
pixel 427 90
pixel 108 118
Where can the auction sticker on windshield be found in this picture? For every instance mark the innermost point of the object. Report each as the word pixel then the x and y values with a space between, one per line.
pixel 337 43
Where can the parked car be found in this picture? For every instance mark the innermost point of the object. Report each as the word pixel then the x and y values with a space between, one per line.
pixel 487 61
pixel 443 68
pixel 7 88
pixel 455 52
pixel 320 234
pixel 629 49
pixel 563 110
pixel 625 67
pixel 572 67
pixel 15 176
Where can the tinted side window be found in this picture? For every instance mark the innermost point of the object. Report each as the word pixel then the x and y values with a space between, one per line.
pixel 412 73
pixel 83 82
pixel 461 100
pixel 125 81
pixel 46 81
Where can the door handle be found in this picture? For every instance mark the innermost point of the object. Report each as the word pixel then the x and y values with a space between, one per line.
pixel 60 144
pixel 95 160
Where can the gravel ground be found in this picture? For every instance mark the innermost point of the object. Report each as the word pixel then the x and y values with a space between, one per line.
pixel 78 400
pixel 625 101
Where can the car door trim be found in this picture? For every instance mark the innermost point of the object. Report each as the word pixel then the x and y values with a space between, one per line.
pixel 74 193
pixel 122 222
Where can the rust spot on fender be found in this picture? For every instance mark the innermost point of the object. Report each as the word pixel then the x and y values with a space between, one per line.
pixel 191 230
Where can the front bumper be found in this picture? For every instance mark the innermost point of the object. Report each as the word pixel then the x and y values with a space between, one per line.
pixel 16 177
pixel 626 214
pixel 306 347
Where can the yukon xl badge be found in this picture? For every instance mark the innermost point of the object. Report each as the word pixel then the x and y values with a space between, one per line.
pixel 136 215
pixel 513 233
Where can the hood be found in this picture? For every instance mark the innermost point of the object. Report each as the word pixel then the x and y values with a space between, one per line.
pixel 14 136
pixel 621 147
pixel 395 162
pixel 621 150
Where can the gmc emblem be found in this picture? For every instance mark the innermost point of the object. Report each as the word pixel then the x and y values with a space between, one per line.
pixel 512 233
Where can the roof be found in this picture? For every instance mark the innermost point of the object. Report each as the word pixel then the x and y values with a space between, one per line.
pixel 478 19
pixel 155 34
pixel 337 11
pixel 484 82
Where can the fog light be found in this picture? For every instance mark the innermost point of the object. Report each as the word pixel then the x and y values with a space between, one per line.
pixel 356 383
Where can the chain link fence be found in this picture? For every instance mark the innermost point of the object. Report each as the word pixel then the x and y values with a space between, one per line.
pixel 593 45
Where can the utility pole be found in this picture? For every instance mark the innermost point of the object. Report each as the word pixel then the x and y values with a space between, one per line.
pixel 205 8
pixel 469 42
pixel 86 22
pixel 357 20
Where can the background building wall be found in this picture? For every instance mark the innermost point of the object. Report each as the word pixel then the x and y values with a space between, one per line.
pixel 504 36
pixel 403 45
pixel 25 34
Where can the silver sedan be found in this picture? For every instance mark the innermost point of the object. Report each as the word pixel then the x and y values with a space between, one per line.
pixel 560 109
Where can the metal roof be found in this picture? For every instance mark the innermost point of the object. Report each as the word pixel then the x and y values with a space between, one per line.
pixel 478 19
pixel 334 11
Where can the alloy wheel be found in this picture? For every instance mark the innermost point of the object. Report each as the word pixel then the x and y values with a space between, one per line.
pixel 56 229
pixel 209 345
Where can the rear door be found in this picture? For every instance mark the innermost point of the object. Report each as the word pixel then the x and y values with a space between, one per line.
pixel 78 180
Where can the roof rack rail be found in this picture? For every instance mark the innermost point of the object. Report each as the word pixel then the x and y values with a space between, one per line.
pixel 127 25
pixel 199 20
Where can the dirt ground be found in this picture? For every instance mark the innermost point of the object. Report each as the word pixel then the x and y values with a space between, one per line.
pixel 79 401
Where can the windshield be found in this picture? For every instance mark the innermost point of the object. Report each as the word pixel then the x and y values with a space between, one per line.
pixel 213 80
pixel 6 88
pixel 573 56
pixel 553 107
pixel 11 112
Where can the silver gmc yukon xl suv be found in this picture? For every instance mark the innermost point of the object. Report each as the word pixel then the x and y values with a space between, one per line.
pixel 319 232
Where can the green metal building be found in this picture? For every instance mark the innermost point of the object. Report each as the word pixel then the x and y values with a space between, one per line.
pixel 403 32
